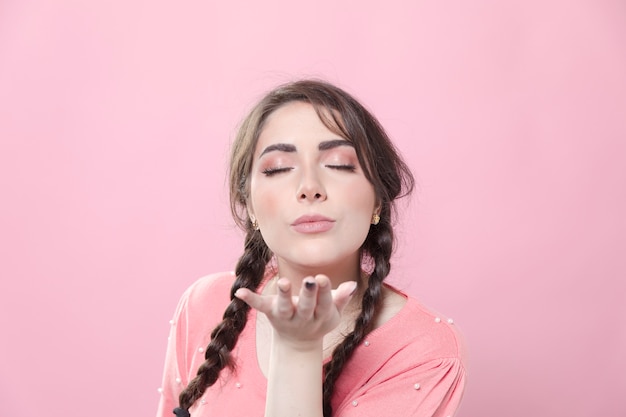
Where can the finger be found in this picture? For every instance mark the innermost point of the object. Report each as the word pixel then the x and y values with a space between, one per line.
pixel 324 295
pixel 343 294
pixel 254 300
pixel 308 298
pixel 284 302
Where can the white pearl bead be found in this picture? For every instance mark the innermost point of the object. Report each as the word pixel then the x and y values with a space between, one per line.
pixel 160 390
pixel 238 385
pixel 416 386
pixel 178 380
pixel 366 343
pixel 171 322
pixel 200 349
pixel 203 401
pixel 437 320
pixel 355 403
pixel 450 321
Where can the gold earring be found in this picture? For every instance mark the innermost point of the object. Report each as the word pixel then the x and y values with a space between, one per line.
pixel 375 219
pixel 255 224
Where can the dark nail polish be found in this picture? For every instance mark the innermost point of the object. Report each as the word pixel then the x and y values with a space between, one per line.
pixel 309 285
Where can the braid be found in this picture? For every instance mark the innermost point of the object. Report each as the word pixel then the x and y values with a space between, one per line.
pixel 378 245
pixel 250 271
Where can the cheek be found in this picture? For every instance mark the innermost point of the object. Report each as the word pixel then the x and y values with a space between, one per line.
pixel 362 196
pixel 265 202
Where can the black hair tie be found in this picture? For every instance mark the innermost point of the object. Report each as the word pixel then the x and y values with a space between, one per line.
pixel 181 412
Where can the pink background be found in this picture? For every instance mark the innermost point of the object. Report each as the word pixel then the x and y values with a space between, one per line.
pixel 115 123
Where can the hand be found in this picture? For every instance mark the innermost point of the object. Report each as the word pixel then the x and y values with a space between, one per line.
pixel 302 320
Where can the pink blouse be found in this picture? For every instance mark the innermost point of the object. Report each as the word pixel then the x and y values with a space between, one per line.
pixel 413 365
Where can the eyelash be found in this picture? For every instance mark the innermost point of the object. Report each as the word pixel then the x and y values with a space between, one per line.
pixel 273 171
pixel 344 167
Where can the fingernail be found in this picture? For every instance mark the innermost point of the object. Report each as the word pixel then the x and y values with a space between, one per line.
pixel 309 285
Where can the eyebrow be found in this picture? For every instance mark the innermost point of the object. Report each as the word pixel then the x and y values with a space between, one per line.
pixel 323 146
pixel 282 147
pixel 331 144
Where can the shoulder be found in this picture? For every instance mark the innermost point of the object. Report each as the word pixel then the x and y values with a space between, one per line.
pixel 215 285
pixel 415 351
pixel 209 293
pixel 437 333
pixel 421 334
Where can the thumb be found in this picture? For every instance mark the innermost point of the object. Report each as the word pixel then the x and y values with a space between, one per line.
pixel 343 294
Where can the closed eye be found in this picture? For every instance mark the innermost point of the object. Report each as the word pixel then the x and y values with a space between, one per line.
pixel 343 167
pixel 273 171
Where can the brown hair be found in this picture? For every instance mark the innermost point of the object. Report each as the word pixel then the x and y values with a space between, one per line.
pixel 382 166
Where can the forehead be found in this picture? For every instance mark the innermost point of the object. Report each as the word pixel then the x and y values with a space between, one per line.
pixel 295 122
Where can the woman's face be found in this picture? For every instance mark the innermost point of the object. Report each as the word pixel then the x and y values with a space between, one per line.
pixel 308 192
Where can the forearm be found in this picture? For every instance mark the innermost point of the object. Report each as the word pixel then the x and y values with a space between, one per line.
pixel 294 380
pixel 299 324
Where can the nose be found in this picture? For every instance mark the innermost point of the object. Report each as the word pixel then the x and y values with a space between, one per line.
pixel 311 188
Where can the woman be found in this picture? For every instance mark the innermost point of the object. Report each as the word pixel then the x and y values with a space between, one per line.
pixel 313 181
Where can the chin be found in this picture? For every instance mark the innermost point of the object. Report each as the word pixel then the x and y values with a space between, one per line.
pixel 320 258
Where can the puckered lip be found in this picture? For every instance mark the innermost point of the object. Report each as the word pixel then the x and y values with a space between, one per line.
pixel 311 218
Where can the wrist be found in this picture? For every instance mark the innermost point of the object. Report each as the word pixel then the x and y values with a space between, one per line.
pixel 287 345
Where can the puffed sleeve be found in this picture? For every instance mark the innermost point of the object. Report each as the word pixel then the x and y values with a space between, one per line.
pixel 430 389
pixel 174 374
